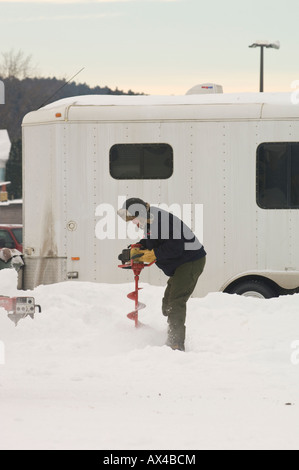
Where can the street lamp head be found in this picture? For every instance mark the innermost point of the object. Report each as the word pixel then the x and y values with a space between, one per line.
pixel 268 44
pixel 275 45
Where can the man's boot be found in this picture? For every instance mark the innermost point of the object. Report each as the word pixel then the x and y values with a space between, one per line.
pixel 176 336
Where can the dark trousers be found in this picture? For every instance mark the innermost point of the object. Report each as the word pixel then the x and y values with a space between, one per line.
pixel 179 288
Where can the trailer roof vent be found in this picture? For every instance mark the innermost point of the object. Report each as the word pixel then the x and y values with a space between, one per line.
pixel 205 88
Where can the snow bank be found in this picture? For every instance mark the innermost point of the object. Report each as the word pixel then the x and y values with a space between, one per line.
pixel 81 376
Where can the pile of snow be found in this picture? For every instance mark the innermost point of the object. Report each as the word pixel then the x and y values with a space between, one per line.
pixel 81 376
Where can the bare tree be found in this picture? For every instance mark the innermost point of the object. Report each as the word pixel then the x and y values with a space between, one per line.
pixel 16 64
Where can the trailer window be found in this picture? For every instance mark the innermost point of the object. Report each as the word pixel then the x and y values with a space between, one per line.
pixel 278 175
pixel 141 161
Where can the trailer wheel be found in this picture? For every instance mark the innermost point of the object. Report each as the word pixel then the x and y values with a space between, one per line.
pixel 254 288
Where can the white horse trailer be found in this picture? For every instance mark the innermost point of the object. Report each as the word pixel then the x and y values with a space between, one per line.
pixel 231 160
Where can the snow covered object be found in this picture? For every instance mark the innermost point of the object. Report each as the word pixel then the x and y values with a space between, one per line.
pixel 11 258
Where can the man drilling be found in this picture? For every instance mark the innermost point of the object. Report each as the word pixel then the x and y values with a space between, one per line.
pixel 177 252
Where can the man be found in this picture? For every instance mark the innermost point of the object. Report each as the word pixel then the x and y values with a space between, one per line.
pixel 177 252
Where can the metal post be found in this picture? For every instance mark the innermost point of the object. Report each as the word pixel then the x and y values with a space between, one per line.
pixel 262 70
pixel 262 45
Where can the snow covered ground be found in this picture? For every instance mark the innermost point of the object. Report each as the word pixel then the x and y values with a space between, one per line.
pixel 80 376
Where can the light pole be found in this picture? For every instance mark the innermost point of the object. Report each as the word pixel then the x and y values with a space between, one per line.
pixel 262 45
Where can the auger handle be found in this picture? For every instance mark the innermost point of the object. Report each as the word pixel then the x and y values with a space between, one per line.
pixel 136 265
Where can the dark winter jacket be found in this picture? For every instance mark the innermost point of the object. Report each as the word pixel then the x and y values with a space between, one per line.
pixel 173 242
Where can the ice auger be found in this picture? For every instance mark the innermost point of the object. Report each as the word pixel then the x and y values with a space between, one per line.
pixel 132 261
pixel 19 307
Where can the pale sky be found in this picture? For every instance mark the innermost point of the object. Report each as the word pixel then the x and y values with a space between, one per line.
pixel 156 46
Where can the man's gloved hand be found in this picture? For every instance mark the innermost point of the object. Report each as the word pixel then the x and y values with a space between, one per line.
pixel 147 256
pixel 135 253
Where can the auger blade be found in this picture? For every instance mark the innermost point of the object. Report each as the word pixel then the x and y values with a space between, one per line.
pixel 139 306
pixel 134 295
pixel 137 267
pixel 134 315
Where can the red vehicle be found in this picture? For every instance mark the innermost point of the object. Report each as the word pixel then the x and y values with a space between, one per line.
pixel 11 236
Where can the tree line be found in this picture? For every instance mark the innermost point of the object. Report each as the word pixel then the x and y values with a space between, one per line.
pixel 23 94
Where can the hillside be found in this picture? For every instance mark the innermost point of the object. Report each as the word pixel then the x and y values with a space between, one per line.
pixel 23 96
pixel 29 94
